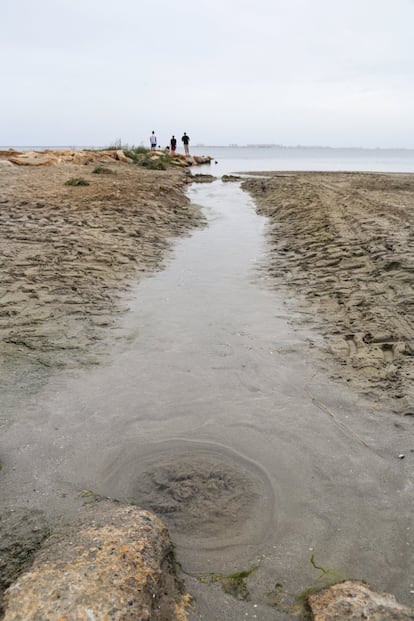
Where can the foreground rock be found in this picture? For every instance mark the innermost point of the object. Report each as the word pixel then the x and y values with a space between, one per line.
pixel 354 601
pixel 117 564
pixel 22 532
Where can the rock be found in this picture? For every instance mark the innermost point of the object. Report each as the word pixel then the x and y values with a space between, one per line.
pixel 120 155
pixel 202 159
pixel 353 601
pixel 7 152
pixel 22 532
pixel 20 161
pixel 198 178
pixel 117 564
pixel 176 161
pixel 57 156
pixel 231 178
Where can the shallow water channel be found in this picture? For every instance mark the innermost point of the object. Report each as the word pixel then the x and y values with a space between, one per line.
pixel 216 416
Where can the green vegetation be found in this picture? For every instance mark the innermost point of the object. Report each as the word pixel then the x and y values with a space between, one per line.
pixel 137 150
pixel 296 603
pixel 141 155
pixel 115 146
pixel 147 159
pixel 101 170
pixel 76 181
pixel 327 578
pixel 235 584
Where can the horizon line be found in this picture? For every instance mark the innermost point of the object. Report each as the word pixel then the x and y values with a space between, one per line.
pixel 215 146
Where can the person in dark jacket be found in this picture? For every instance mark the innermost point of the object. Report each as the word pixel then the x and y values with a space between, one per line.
pixel 186 139
pixel 173 144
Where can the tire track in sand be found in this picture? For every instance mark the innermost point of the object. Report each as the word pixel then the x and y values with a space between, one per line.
pixel 342 244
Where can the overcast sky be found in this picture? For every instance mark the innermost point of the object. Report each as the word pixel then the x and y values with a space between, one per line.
pixel 311 72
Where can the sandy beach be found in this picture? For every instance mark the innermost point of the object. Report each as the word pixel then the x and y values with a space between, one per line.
pixel 341 251
pixel 217 416
pixel 67 252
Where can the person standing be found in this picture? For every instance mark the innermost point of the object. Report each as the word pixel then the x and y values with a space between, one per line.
pixel 186 139
pixel 173 144
pixel 153 141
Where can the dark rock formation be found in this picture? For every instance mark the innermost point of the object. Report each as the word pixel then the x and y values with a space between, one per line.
pixel 227 178
pixel 199 178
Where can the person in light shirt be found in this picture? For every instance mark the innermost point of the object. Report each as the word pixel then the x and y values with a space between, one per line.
pixel 153 141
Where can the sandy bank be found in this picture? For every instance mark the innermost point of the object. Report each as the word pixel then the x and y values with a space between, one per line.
pixel 342 248
pixel 67 252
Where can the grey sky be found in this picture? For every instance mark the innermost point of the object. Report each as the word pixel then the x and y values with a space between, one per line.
pixel 326 72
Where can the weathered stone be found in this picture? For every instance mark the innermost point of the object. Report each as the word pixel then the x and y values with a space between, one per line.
pixel 20 161
pixel 116 564
pixel 21 534
pixel 120 155
pixel 57 156
pixel 231 178
pixel 353 601
pixel 201 159
pixel 202 178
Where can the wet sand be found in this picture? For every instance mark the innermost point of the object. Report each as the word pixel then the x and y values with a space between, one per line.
pixel 342 251
pixel 218 390
pixel 67 252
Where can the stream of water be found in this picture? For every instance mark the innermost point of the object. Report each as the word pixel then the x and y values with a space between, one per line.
pixel 216 417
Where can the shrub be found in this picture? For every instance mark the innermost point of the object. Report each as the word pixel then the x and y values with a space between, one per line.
pixel 115 146
pixel 101 170
pixel 158 164
pixel 136 153
pixel 76 181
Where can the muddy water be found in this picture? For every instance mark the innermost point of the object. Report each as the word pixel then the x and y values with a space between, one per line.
pixel 213 414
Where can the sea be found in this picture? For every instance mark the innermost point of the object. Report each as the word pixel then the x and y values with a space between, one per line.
pixel 279 158
pixel 235 158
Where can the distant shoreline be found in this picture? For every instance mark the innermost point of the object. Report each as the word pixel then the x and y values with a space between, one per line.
pixel 227 146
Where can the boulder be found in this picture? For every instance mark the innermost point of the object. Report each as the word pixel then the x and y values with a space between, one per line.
pixel 202 159
pixel 120 155
pixel 32 159
pixel 230 178
pixel 353 601
pixel 117 564
pixel 198 178
pixel 22 532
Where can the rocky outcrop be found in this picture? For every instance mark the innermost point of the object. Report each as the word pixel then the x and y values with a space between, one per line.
pixel 227 178
pixel 116 564
pixel 22 532
pixel 353 601
pixel 58 156
pixel 202 178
